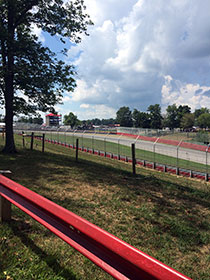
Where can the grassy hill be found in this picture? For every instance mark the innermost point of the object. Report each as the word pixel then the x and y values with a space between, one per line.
pixel 166 216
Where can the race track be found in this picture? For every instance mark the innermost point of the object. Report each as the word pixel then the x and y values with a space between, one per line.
pixel 164 149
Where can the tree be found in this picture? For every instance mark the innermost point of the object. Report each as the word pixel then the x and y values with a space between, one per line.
pixel 136 118
pixel 175 114
pixel 71 120
pixel 108 121
pixel 124 117
pixel 96 121
pixel 203 120
pixel 145 121
pixel 187 121
pixel 171 119
pixel 155 116
pixel 26 66
pixel 201 111
pixel 182 110
pixel 36 120
pixel 141 119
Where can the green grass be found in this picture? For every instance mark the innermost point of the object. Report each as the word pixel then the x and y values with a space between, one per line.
pixel 163 215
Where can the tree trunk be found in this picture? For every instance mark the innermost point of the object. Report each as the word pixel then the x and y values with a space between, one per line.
pixel 9 144
pixel 9 82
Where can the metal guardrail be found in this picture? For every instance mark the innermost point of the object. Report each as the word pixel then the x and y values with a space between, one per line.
pixel 113 255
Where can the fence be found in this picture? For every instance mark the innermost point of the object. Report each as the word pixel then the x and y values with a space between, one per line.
pixel 116 257
pixel 200 136
pixel 167 155
pixel 145 131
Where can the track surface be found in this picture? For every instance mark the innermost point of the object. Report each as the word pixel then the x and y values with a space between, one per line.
pixel 198 155
pixel 160 148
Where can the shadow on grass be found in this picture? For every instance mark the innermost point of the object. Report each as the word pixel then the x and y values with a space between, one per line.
pixel 20 229
pixel 30 166
pixel 178 202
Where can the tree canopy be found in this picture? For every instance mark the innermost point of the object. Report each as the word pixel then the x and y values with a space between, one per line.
pixel 71 120
pixel 124 117
pixel 31 76
pixel 201 111
pixel 171 119
pixel 187 121
pixel 141 119
pixel 204 120
pixel 155 116
pixel 36 120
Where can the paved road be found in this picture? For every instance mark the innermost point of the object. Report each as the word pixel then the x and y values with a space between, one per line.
pixel 164 149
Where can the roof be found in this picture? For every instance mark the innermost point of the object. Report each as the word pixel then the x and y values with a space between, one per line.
pixel 52 115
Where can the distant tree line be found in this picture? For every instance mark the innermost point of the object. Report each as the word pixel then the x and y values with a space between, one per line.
pixel 175 117
pixel 72 120
pixel 35 120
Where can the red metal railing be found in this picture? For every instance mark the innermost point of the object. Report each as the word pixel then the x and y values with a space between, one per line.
pixel 113 255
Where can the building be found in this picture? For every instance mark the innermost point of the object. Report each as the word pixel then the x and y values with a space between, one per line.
pixel 53 120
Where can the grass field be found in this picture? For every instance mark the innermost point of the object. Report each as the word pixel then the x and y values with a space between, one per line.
pixel 163 215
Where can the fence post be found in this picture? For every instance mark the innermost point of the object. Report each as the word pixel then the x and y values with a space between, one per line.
pixel 105 146
pixel 133 158
pixel 32 140
pixel 154 164
pixel 177 158
pixel 5 209
pixel 93 144
pixel 206 175
pixel 23 139
pixel 191 174
pixel 43 140
pixel 118 146
pixel 77 148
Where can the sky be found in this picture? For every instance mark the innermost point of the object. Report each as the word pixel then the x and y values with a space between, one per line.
pixel 139 53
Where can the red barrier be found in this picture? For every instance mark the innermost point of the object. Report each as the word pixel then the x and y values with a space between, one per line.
pixel 186 145
pixel 115 256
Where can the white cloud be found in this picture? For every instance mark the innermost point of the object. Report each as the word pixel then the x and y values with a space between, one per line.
pixel 176 92
pixel 66 98
pixel 135 44
pixel 86 106
pixel 114 10
pixel 96 111
pixel 38 32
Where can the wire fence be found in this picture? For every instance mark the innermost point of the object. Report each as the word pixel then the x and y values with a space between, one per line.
pixel 177 155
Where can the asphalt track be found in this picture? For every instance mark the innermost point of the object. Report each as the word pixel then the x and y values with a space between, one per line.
pixel 160 148
pixel 164 149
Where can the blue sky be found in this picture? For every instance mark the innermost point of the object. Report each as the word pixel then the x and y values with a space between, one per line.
pixel 139 52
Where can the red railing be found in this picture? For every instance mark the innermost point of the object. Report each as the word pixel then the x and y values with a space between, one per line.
pixel 113 255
